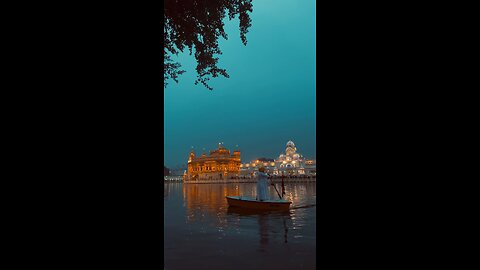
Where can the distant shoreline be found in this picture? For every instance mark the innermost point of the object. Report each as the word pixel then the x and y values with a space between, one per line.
pixel 219 181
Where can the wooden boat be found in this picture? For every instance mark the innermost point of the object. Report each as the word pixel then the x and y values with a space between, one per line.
pixel 252 203
pixel 240 211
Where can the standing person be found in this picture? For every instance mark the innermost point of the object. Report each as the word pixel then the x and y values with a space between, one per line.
pixel 262 185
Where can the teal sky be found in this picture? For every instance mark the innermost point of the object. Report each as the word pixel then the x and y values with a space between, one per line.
pixel 268 99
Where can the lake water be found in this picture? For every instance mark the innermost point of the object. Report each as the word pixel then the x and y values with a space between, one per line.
pixel 201 232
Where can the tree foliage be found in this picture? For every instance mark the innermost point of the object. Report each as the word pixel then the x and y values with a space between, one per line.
pixel 196 25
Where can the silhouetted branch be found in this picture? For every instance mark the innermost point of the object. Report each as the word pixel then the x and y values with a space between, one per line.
pixel 197 25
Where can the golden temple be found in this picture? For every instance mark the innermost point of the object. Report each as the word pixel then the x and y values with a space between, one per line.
pixel 219 164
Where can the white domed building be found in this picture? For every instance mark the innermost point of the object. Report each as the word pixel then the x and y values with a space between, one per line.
pixel 290 162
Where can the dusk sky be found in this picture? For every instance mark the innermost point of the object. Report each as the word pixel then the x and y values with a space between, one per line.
pixel 268 99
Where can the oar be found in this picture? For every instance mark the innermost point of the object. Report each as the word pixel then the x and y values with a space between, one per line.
pixel 278 193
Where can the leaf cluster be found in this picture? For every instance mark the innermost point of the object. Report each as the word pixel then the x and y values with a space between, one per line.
pixel 196 25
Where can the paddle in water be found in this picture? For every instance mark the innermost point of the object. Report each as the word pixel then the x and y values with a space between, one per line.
pixel 278 193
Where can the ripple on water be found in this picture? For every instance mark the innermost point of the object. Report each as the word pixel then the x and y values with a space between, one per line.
pixel 198 217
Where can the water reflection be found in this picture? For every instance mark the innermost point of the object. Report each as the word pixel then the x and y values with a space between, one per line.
pixel 263 222
pixel 207 199
pixel 263 225
pixel 201 200
pixel 197 216
pixel 206 204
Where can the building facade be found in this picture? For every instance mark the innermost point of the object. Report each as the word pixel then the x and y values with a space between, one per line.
pixel 219 164
pixel 249 169
pixel 289 163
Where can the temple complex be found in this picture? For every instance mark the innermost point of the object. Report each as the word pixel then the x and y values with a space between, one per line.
pixel 249 169
pixel 288 163
pixel 219 164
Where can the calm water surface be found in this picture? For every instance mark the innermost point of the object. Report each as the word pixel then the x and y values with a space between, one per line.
pixel 201 232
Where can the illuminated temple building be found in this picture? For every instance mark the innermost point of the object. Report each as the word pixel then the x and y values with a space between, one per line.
pixel 288 163
pixel 293 163
pixel 219 164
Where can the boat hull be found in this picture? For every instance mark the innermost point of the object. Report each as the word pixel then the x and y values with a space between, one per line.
pixel 251 203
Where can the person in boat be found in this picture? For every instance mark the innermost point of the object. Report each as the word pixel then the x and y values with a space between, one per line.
pixel 262 185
